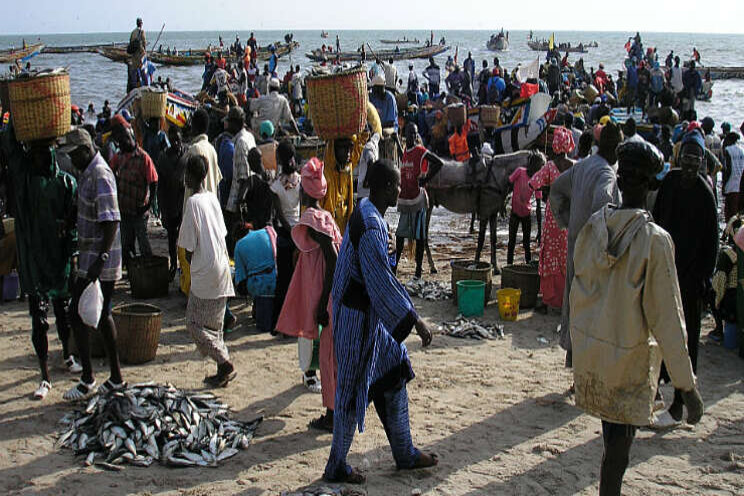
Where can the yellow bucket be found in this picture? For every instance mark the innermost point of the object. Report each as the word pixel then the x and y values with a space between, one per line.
pixel 508 299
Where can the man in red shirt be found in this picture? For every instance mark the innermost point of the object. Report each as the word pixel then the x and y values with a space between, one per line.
pixel 137 185
pixel 413 202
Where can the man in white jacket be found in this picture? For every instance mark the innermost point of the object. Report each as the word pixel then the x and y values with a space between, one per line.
pixel 626 315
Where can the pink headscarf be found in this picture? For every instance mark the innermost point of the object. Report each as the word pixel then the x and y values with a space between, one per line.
pixel 563 141
pixel 313 181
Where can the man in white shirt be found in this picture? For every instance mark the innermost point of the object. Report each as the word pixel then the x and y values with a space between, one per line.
pixel 202 235
pixel 201 146
pixel 273 107
pixel 391 76
pixel 244 143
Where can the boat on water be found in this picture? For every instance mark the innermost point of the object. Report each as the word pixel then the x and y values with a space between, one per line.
pixel 21 54
pixel 82 48
pixel 498 42
pixel 421 52
pixel 719 72
pixel 404 41
pixel 324 34
pixel 190 57
pixel 544 46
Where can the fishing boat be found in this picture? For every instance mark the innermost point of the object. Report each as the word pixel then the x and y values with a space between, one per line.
pixel 190 57
pixel 324 34
pixel 498 43
pixel 722 72
pixel 544 46
pixel 421 52
pixel 404 41
pixel 21 54
pixel 82 48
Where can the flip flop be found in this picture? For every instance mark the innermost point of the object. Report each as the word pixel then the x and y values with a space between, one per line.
pixel 109 386
pixel 312 384
pixel 43 390
pixel 81 391
pixel 72 365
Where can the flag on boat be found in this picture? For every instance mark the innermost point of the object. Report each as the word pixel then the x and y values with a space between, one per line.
pixel 551 42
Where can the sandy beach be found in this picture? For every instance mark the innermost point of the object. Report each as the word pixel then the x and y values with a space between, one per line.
pixel 498 413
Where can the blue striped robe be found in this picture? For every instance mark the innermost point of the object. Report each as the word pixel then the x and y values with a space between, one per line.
pixel 368 341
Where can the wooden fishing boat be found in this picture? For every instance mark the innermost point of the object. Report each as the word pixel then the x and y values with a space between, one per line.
pixel 422 52
pixel 544 46
pixel 498 43
pixel 717 72
pixel 400 42
pixel 21 54
pixel 190 57
pixel 82 48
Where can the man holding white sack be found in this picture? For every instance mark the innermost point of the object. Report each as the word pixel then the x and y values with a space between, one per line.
pixel 99 260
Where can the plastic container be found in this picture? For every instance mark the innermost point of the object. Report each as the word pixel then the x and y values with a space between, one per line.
pixel 264 313
pixel 471 298
pixel 730 335
pixel 508 299
pixel 468 270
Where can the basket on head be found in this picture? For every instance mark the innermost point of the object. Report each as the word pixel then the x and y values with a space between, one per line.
pixel 489 115
pixel 457 113
pixel 152 103
pixel 338 103
pixel 41 106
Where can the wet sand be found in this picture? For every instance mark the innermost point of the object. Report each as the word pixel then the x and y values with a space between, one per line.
pixel 498 413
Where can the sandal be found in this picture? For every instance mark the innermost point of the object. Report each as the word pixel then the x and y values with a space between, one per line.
pixel 424 461
pixel 220 380
pixel 44 388
pixel 109 386
pixel 81 391
pixel 312 384
pixel 72 365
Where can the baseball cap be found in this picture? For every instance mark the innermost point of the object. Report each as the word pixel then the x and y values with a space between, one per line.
pixel 378 80
pixel 75 139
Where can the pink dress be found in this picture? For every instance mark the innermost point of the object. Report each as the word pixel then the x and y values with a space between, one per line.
pixel 552 268
pixel 298 315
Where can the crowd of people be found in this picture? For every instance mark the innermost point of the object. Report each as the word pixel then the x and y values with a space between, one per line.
pixel 630 233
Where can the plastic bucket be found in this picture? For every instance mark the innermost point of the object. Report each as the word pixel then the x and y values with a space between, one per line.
pixel 730 335
pixel 508 299
pixel 264 313
pixel 471 297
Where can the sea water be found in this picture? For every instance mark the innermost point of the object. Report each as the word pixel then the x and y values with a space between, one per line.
pixel 95 78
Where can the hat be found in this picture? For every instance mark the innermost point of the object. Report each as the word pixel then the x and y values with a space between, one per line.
pixel 605 119
pixel 597 99
pixel 75 139
pixel 563 141
pixel 693 126
pixel 125 113
pixel 378 80
pixel 274 83
pixel 120 121
pixel 266 130
pixel 235 114
pixel 314 183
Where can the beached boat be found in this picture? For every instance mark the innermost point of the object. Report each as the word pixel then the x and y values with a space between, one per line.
pixel 400 42
pixel 21 54
pixel 190 57
pixel 544 46
pixel 498 43
pixel 82 48
pixel 422 52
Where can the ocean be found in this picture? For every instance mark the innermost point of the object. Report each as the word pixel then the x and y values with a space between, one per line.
pixel 95 78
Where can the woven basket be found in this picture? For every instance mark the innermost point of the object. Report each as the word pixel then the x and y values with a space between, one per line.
pixel 467 270
pixel 525 278
pixel 338 103
pixel 456 114
pixel 149 277
pixel 489 115
pixel 152 104
pixel 138 325
pixel 41 106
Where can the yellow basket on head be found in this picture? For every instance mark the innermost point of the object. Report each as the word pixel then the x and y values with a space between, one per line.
pixel 41 106
pixel 508 299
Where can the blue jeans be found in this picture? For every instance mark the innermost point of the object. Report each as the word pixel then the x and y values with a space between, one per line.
pixel 134 228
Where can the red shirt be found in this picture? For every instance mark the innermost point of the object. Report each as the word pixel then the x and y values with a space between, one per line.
pixel 412 166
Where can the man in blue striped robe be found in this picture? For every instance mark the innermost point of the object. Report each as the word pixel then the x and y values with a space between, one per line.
pixel 372 316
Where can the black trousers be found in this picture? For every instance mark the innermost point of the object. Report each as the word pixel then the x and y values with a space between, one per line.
pixel 514 222
pixel 172 226
pixel 618 439
pixel 38 307
pixel 285 250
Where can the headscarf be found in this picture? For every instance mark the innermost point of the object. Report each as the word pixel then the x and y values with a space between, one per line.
pixel 266 130
pixel 597 131
pixel 563 141
pixel 313 181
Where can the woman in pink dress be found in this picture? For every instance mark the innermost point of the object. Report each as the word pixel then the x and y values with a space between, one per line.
pixel 552 268
pixel 307 305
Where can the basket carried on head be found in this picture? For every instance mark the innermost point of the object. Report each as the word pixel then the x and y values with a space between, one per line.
pixel 457 113
pixel 152 103
pixel 489 115
pixel 138 325
pixel 338 103
pixel 41 106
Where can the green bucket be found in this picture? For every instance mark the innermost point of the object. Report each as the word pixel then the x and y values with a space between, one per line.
pixel 471 296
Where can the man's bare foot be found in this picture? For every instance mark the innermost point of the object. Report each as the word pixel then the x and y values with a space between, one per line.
pixel 425 460
pixel 354 477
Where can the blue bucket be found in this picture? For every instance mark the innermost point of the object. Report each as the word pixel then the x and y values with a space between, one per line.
pixel 730 335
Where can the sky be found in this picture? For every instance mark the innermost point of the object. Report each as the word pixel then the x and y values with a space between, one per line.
pixel 95 16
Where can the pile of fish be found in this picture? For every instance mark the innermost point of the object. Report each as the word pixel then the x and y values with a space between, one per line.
pixel 326 491
pixel 148 422
pixel 471 328
pixel 429 290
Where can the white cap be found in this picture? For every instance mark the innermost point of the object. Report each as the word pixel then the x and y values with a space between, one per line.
pixel 274 83
pixel 378 80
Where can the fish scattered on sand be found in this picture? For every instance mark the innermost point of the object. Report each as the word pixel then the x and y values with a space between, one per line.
pixel 462 327
pixel 148 422
pixel 429 290
pixel 326 491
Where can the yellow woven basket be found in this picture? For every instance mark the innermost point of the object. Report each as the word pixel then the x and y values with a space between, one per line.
pixel 152 104
pixel 489 115
pixel 338 103
pixel 41 106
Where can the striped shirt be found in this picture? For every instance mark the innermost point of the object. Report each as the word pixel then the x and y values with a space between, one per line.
pixel 97 203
